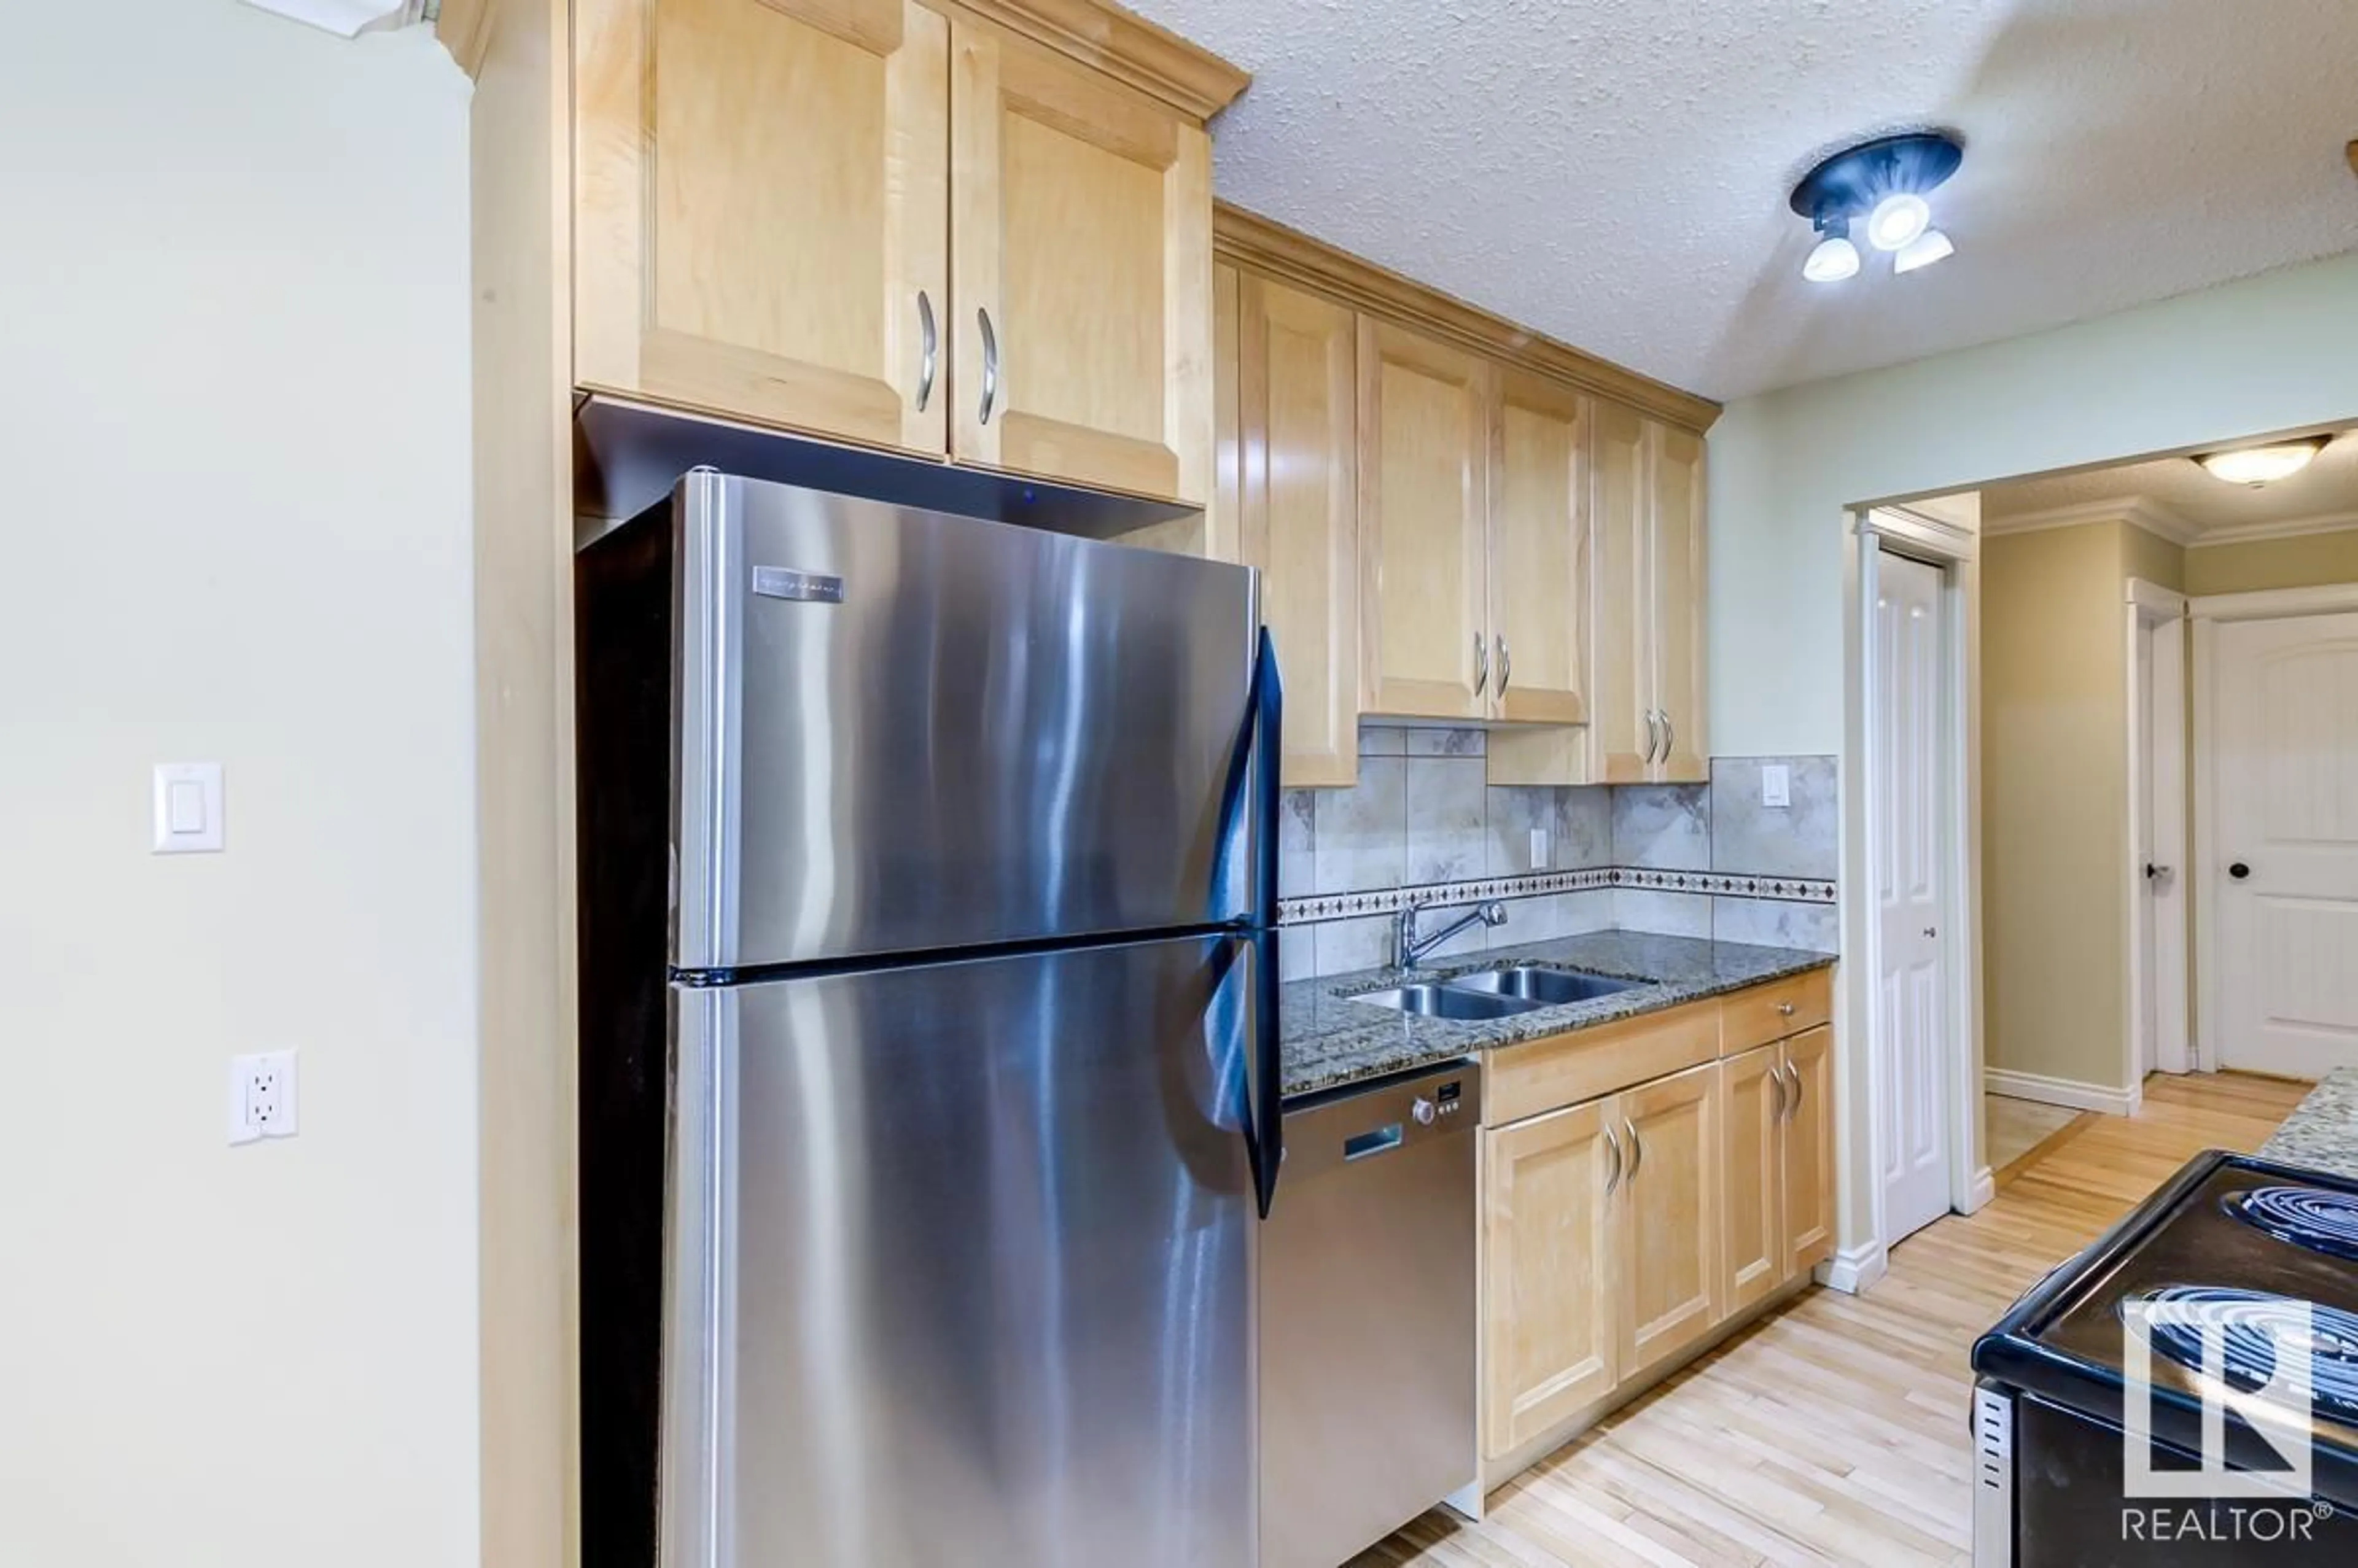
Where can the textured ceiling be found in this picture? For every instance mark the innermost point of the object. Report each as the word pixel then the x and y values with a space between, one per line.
pixel 1615 173
pixel 2189 501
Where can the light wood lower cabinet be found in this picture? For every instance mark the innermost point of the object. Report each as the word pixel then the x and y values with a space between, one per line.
pixel 1809 1155
pixel 1669 1243
pixel 1547 1229
pixel 1621 1232
pixel 1752 1097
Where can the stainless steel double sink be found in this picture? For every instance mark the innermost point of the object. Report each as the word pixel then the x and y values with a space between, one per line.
pixel 1495 993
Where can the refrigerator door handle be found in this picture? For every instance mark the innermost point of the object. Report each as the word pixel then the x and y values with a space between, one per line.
pixel 1268 1142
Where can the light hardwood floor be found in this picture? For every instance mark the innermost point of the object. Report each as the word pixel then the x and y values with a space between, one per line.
pixel 1836 1431
pixel 2016 1128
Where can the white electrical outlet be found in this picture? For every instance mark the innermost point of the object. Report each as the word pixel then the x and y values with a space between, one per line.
pixel 1776 785
pixel 262 1098
pixel 1540 860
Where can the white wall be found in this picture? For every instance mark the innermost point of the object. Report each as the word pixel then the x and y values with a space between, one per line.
pixel 234 405
pixel 2269 354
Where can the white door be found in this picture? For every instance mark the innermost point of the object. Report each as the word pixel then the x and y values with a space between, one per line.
pixel 1911 1022
pixel 2287 875
pixel 2158 954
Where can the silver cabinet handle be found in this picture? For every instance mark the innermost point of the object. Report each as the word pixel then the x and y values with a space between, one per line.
pixel 929 353
pixel 1481 664
pixel 1793 1079
pixel 1655 752
pixel 1636 1148
pixel 1785 1008
pixel 1776 1082
pixel 1670 735
pixel 1613 1179
pixel 990 365
pixel 1506 665
pixel 1792 1099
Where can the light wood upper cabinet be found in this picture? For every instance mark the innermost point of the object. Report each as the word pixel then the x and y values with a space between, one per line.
pixel 1621 686
pixel 1081 259
pixel 1676 463
pixel 1809 1151
pixel 1423 526
pixel 1539 550
pixel 1670 1220
pixel 1752 1239
pixel 1645 556
pixel 763 210
pixel 1297 396
pixel 1548 1291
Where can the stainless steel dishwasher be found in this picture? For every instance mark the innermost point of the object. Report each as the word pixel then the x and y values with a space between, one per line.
pixel 1367 1317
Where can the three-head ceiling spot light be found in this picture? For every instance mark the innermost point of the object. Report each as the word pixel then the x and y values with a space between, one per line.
pixel 1884 183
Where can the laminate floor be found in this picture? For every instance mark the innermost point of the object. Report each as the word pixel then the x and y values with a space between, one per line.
pixel 1835 1432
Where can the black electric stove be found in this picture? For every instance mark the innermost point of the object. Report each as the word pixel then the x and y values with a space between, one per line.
pixel 2268 1253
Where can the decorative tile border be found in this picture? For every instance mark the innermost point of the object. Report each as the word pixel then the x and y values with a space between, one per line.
pixel 1727 884
pixel 1392 900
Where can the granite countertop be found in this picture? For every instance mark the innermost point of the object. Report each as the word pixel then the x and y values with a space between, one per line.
pixel 1329 1040
pixel 2322 1130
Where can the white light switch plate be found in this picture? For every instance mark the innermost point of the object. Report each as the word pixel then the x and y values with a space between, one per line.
pixel 262 1098
pixel 1541 851
pixel 1776 785
pixel 187 808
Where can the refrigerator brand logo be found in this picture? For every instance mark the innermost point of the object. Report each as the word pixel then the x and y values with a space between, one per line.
pixel 808 588
pixel 2256 1364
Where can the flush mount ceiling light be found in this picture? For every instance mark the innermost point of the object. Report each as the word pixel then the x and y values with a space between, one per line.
pixel 2256 466
pixel 1885 182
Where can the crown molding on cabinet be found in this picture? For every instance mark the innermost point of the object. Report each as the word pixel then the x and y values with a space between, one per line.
pixel 1130 49
pixel 1252 241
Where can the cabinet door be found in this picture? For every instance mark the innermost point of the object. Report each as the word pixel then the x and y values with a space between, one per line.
pixel 762 211
pixel 1669 1218
pixel 1538 551
pixel 1676 461
pixel 1752 1242
pixel 1548 1286
pixel 1809 1151
pixel 1621 682
pixel 1298 404
pixel 1081 232
pixel 1424 523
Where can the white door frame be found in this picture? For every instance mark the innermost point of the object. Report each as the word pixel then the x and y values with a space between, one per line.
pixel 2207 877
pixel 2161 746
pixel 1953 550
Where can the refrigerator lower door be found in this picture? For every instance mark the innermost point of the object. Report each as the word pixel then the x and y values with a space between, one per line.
pixel 903 733
pixel 962 1266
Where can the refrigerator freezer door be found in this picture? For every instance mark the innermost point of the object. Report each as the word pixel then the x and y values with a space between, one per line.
pixel 902 731
pixel 962 1266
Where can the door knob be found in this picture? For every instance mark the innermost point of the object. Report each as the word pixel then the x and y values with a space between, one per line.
pixel 2239 871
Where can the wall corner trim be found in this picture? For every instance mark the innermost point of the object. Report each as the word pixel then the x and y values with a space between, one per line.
pixel 1855 1270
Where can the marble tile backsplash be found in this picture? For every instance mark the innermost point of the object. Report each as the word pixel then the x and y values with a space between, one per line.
pixel 1422 813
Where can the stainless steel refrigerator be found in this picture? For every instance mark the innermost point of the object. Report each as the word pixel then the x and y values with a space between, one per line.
pixel 929 1103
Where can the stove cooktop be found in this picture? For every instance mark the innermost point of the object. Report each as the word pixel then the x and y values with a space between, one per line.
pixel 2242 1242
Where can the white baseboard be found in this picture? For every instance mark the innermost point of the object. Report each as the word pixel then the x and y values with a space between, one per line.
pixel 2063 1091
pixel 1979 1191
pixel 1855 1270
